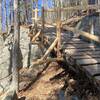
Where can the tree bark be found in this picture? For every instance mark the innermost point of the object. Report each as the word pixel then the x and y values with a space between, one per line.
pixel 15 48
pixel 26 11
pixel 0 16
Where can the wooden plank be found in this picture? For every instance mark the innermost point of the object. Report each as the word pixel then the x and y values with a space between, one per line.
pixel 83 45
pixel 98 78
pixel 91 48
pixel 93 69
pixel 88 61
pixel 92 54
pixel 83 49
pixel 75 41
pixel 75 52
pixel 85 56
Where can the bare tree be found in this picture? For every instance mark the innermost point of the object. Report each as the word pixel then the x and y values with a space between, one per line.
pixel 15 48
pixel 26 11
pixel 0 15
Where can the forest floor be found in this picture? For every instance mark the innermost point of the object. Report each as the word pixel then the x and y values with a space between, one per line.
pixel 47 86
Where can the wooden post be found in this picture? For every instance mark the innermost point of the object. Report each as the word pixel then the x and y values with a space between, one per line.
pixel 58 30
pixel 36 17
pixel 43 22
pixel 36 12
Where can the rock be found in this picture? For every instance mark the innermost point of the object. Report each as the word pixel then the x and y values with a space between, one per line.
pixel 36 53
pixel 24 46
pixel 70 93
pixel 11 95
pixel 23 85
pixel 1 89
pixel 4 63
pixel 72 83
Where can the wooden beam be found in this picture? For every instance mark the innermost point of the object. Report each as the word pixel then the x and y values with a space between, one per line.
pixel 74 8
pixel 65 22
pixel 36 36
pixel 3 33
pixel 43 23
pixel 73 19
pixel 26 26
pixel 36 9
pixel 50 48
pixel 85 34
pixel 41 61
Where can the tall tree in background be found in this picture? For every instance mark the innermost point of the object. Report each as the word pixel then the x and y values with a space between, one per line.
pixel 0 15
pixel 15 48
pixel 26 10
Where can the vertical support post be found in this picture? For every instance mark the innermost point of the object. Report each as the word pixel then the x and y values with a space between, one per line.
pixel 36 17
pixel 98 5
pixel 58 31
pixel 43 22
pixel 36 12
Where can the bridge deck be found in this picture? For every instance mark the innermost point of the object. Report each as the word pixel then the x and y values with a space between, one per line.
pixel 85 54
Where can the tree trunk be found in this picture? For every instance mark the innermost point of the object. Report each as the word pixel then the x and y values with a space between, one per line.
pixel 15 48
pixel 26 11
pixel 0 16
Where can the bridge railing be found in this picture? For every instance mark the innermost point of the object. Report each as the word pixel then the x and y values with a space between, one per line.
pixel 66 13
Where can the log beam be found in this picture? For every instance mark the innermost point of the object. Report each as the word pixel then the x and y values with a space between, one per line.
pixel 41 61
pixel 36 36
pixel 50 48
pixel 85 34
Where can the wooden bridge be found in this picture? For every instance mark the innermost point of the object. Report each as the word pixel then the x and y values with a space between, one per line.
pixel 85 54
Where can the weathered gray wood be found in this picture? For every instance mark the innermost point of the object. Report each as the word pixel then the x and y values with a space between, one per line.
pixel 98 78
pixel 79 46
pixel 97 53
pixel 83 50
pixel 93 69
pixel 85 56
pixel 88 61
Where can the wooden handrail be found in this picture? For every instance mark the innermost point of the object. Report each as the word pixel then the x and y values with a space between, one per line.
pixel 73 8
pixel 85 34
